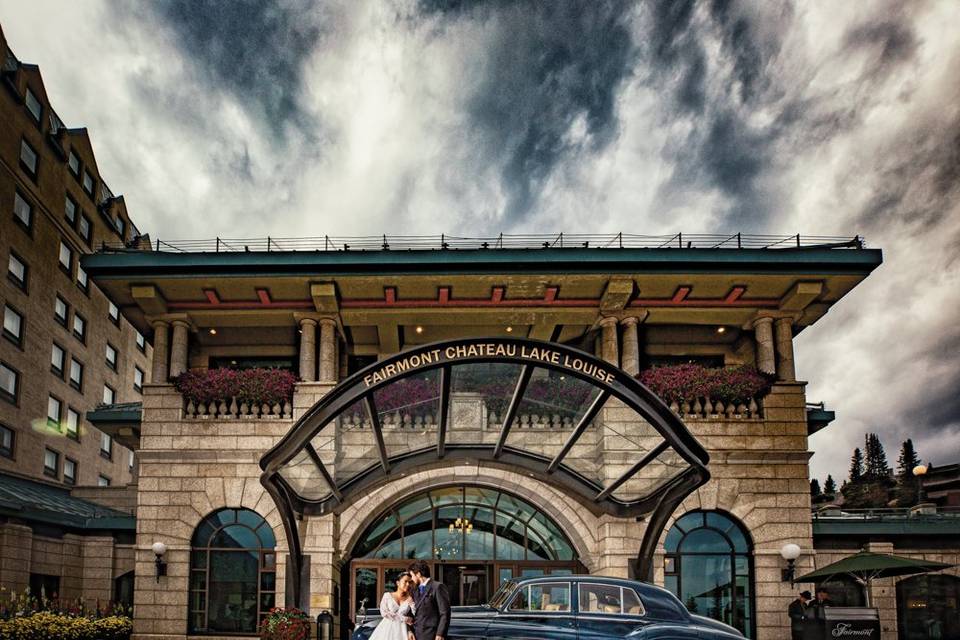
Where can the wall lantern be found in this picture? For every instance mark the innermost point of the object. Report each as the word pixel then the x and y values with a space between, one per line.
pixel 324 626
pixel 159 549
pixel 789 552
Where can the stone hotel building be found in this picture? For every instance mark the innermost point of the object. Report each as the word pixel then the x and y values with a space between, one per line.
pixel 66 348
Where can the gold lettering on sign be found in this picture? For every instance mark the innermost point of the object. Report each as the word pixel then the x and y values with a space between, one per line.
pixel 536 354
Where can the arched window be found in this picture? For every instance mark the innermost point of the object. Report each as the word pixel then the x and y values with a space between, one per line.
pixel 928 607
pixel 709 566
pixel 232 572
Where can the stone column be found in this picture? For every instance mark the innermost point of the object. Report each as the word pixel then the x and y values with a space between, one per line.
pixel 630 359
pixel 160 370
pixel 763 332
pixel 178 348
pixel 328 362
pixel 609 342
pixel 308 349
pixel 785 368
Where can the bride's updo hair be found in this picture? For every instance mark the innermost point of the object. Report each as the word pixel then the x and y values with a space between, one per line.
pixel 405 574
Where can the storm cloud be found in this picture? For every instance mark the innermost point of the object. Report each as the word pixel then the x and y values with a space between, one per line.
pixel 474 117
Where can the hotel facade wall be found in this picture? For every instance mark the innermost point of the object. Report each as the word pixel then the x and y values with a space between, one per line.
pixel 192 467
pixel 86 564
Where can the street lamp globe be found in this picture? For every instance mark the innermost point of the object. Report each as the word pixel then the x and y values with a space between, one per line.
pixel 920 470
pixel 790 551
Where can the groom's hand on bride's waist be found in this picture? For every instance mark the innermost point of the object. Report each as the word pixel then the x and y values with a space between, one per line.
pixel 408 620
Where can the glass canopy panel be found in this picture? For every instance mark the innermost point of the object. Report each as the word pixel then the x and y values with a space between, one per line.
pixel 303 476
pixel 479 396
pixel 407 410
pixel 652 477
pixel 357 448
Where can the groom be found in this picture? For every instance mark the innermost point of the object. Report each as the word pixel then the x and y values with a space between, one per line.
pixel 432 600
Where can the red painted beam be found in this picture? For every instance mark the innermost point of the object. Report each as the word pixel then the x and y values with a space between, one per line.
pixel 734 294
pixel 264 296
pixel 496 295
pixel 681 294
pixel 212 296
pixel 443 295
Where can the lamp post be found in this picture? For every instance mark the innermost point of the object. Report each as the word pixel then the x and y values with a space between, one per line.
pixel 789 552
pixel 918 472
pixel 159 550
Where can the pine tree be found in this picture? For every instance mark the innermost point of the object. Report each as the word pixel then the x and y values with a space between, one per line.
pixel 907 483
pixel 908 460
pixel 876 462
pixel 830 487
pixel 856 466
pixel 815 488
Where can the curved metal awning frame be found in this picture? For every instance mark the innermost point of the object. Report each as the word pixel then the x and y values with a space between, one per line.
pixel 658 504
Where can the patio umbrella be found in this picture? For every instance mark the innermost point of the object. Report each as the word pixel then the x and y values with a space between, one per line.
pixel 865 566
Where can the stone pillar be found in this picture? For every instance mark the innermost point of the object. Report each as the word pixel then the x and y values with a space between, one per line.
pixel 328 362
pixel 630 359
pixel 609 342
pixel 308 349
pixel 178 348
pixel 785 368
pixel 763 332
pixel 160 369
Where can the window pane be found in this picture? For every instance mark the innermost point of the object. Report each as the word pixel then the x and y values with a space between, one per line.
pixel 81 277
pixel 366 594
pixel 114 312
pixel 232 591
pixel 53 410
pixel 705 540
pixel 33 105
pixel 51 460
pixel 66 255
pixel 631 603
pixel 73 422
pixel 69 470
pixel 60 310
pixel 8 380
pixel 550 597
pixel 87 182
pixel 103 481
pixel 12 323
pixel 79 325
pixel 74 163
pixel 28 156
pixel 106 443
pixel 22 209
pixel 111 355
pixel 84 228
pixel 17 269
pixel 599 598
pixel 70 209
pixel 137 378
pixel 236 537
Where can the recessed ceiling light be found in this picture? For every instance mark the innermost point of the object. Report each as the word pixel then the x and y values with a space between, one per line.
pixel 721 329
pixel 419 329
pixel 509 329
pixel 213 332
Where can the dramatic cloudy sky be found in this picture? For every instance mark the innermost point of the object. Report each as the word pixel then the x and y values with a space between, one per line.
pixel 248 118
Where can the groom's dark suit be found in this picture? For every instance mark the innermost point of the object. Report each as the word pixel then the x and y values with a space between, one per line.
pixel 432 618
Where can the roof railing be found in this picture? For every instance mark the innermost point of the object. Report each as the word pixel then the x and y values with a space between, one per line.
pixel 444 242
pixel 832 512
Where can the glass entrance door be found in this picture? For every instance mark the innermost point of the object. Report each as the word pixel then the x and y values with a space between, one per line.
pixel 468 584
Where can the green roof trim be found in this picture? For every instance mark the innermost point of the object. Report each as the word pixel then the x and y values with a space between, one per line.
pixel 36 501
pixel 802 260
pixel 818 419
pixel 127 412
pixel 944 526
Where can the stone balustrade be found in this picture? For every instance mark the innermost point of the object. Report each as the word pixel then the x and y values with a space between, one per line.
pixel 717 410
pixel 232 409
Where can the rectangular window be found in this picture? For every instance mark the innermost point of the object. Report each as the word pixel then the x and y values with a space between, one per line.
pixel 111 356
pixel 73 423
pixel 69 471
pixel 17 271
pixel 109 395
pixel 28 158
pixel 13 325
pixel 121 226
pixel 66 257
pixel 22 211
pixel 85 228
pixel 7 438
pixel 54 407
pixel 82 280
pixel 33 106
pixel 130 459
pixel 88 183
pixel 106 446
pixel 76 374
pixel 9 383
pixel 114 313
pixel 79 327
pixel 103 481
pixel 73 161
pixel 141 342
pixel 138 379
pixel 51 463
pixel 58 357
pixel 70 209
pixel 61 310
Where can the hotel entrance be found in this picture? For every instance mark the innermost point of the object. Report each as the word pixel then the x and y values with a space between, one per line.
pixel 474 538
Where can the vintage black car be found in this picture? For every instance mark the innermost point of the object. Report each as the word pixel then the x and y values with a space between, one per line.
pixel 576 608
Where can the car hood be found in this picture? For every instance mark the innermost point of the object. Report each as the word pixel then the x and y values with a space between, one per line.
pixel 715 625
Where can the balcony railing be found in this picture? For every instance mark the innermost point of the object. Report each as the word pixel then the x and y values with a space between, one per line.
pixel 444 242
pixel 884 515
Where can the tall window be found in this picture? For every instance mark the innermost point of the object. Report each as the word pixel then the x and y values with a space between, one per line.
pixel 82 281
pixel 138 379
pixel 7 438
pixel 109 395
pixel 709 566
pixel 51 463
pixel 85 228
pixel 69 471
pixel 13 325
pixel 61 310
pixel 54 411
pixel 79 327
pixel 17 271
pixel 22 211
pixel 73 162
pixel 73 423
pixel 113 312
pixel 9 383
pixel 66 257
pixel 76 374
pixel 111 356
pixel 57 359
pixel 88 183
pixel 232 572
pixel 106 446
pixel 33 106
pixel 70 209
pixel 28 158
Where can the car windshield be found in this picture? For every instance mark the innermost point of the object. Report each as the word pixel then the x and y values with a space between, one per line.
pixel 500 597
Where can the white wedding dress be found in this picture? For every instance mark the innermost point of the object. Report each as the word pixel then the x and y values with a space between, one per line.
pixel 392 626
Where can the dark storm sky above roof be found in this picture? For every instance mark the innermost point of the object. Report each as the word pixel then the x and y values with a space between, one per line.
pixel 251 118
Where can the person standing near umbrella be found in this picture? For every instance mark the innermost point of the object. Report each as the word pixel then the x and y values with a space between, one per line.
pixel 815 621
pixel 797 612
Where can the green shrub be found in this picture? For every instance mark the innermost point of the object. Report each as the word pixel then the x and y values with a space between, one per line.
pixel 44 625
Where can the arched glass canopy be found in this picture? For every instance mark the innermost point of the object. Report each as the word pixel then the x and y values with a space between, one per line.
pixel 546 410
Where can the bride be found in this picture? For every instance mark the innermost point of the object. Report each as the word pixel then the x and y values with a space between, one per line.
pixel 395 608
